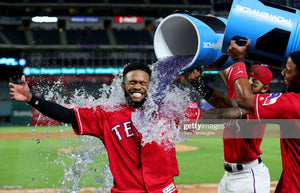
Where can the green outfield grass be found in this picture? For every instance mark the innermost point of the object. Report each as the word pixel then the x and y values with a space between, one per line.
pixel 32 129
pixel 24 163
pixel 28 162
pixel 205 165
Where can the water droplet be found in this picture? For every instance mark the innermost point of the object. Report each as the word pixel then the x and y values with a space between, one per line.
pixel 37 141
pixel 76 162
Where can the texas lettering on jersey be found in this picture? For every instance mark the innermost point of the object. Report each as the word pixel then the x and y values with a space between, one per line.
pixel 140 165
pixel 126 127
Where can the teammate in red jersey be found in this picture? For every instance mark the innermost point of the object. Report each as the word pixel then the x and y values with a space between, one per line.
pixel 244 170
pixel 283 106
pixel 136 168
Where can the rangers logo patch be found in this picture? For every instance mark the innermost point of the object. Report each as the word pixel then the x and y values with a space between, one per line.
pixel 272 99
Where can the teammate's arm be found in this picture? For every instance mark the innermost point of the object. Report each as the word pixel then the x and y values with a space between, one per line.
pixel 224 73
pixel 224 113
pixel 242 88
pixel 20 92
pixel 244 95
pixel 213 97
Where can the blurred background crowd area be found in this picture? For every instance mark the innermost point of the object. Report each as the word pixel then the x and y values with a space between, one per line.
pixel 84 42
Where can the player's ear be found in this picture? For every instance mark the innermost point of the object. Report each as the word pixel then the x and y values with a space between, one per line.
pixel 123 86
pixel 265 89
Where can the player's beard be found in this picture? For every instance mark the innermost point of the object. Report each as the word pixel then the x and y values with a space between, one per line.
pixel 253 87
pixel 134 104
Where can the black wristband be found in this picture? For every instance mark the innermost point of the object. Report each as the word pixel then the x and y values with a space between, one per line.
pixel 34 101
pixel 238 60
pixel 53 110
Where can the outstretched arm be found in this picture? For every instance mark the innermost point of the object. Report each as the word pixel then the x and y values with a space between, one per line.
pixel 242 88
pixel 224 73
pixel 20 92
pixel 224 113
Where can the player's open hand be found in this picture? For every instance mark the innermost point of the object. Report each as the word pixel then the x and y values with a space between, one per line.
pixel 20 92
pixel 193 74
pixel 235 51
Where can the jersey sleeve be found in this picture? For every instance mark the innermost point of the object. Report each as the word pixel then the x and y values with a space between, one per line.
pixel 272 106
pixel 90 122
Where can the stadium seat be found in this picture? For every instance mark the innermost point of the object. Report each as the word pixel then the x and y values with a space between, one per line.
pixel 46 37
pixel 87 37
pixel 133 37
pixel 166 2
pixel 14 34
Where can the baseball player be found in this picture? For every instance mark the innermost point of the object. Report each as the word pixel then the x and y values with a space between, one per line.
pixel 135 168
pixel 244 170
pixel 282 106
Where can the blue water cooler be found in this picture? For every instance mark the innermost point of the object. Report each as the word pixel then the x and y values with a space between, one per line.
pixel 272 29
pixel 199 37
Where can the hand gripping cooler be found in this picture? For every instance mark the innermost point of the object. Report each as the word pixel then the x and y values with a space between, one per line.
pixel 272 29
pixel 191 35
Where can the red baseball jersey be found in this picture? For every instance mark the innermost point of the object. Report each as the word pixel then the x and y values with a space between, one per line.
pixel 285 107
pixel 135 168
pixel 240 146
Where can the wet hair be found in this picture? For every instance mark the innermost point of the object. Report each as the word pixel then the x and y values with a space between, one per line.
pixel 136 66
pixel 295 56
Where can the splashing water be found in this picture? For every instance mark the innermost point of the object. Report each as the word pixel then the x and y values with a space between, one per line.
pixel 88 160
pixel 111 97
pixel 83 159
pixel 164 108
pixel 162 114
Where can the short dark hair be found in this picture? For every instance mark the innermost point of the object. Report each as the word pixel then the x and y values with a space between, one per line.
pixel 295 56
pixel 136 66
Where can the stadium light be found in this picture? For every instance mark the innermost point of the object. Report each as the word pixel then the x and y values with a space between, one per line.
pixel 12 62
pixel 44 19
